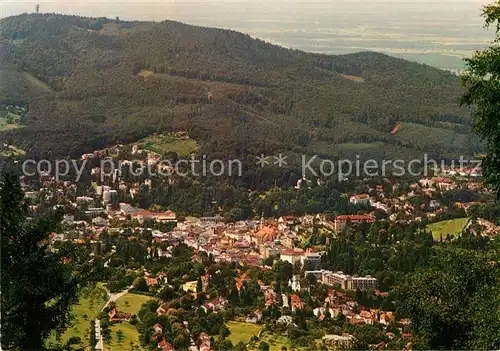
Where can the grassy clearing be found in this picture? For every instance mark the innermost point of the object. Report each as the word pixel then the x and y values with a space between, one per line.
pixel 17 86
pixel 417 134
pixel 276 342
pixel 359 146
pixel 9 120
pixel 35 82
pixel 453 227
pixel 87 308
pixel 131 303
pixel 11 151
pixel 163 143
pixel 146 74
pixel 353 78
pixel 242 331
pixel 130 340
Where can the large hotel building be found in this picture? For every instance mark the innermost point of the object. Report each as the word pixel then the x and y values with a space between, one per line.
pixel 349 282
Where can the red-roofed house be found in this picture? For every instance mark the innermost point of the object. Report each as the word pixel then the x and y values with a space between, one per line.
pixel 165 346
pixel 158 328
pixel 297 304
pixel 151 281
pixel 263 235
pixel 204 342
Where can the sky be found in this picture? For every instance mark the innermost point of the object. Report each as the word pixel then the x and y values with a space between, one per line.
pixel 225 9
pixel 437 32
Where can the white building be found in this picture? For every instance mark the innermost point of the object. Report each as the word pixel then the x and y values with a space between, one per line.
pixel 292 256
pixel 362 199
pixel 349 282
pixel 287 320
pixel 294 283
pixel 285 301
pixel 110 196
pixel 345 341
pixel 312 257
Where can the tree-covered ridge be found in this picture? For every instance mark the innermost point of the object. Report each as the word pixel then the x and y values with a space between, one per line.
pixel 113 82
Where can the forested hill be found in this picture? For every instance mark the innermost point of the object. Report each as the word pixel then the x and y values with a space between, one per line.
pixel 89 82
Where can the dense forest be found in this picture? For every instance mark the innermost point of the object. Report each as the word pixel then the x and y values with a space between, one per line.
pixel 92 82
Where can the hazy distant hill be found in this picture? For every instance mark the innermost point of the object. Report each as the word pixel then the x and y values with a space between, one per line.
pixel 95 82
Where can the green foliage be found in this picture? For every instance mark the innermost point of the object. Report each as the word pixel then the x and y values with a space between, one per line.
pixel 120 337
pixel 140 284
pixel 38 289
pixel 164 143
pixel 454 303
pixel 225 345
pixel 93 339
pixel 263 346
pixel 489 211
pixel 91 300
pixel 386 251
pixel 483 83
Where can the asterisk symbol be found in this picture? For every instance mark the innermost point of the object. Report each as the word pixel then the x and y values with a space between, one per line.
pixel 262 160
pixel 280 160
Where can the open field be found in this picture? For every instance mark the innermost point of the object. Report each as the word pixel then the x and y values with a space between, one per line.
pixel 131 303
pixel 276 342
pixel 90 305
pixel 242 331
pixel 453 227
pixel 130 340
pixel 163 143
pixel 87 308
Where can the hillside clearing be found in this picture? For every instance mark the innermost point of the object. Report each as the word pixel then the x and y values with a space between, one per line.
pixel 411 134
pixel 453 227
pixel 18 86
pixel 163 143
pixel 356 79
pixel 11 151
pixel 35 82
pixel 10 121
